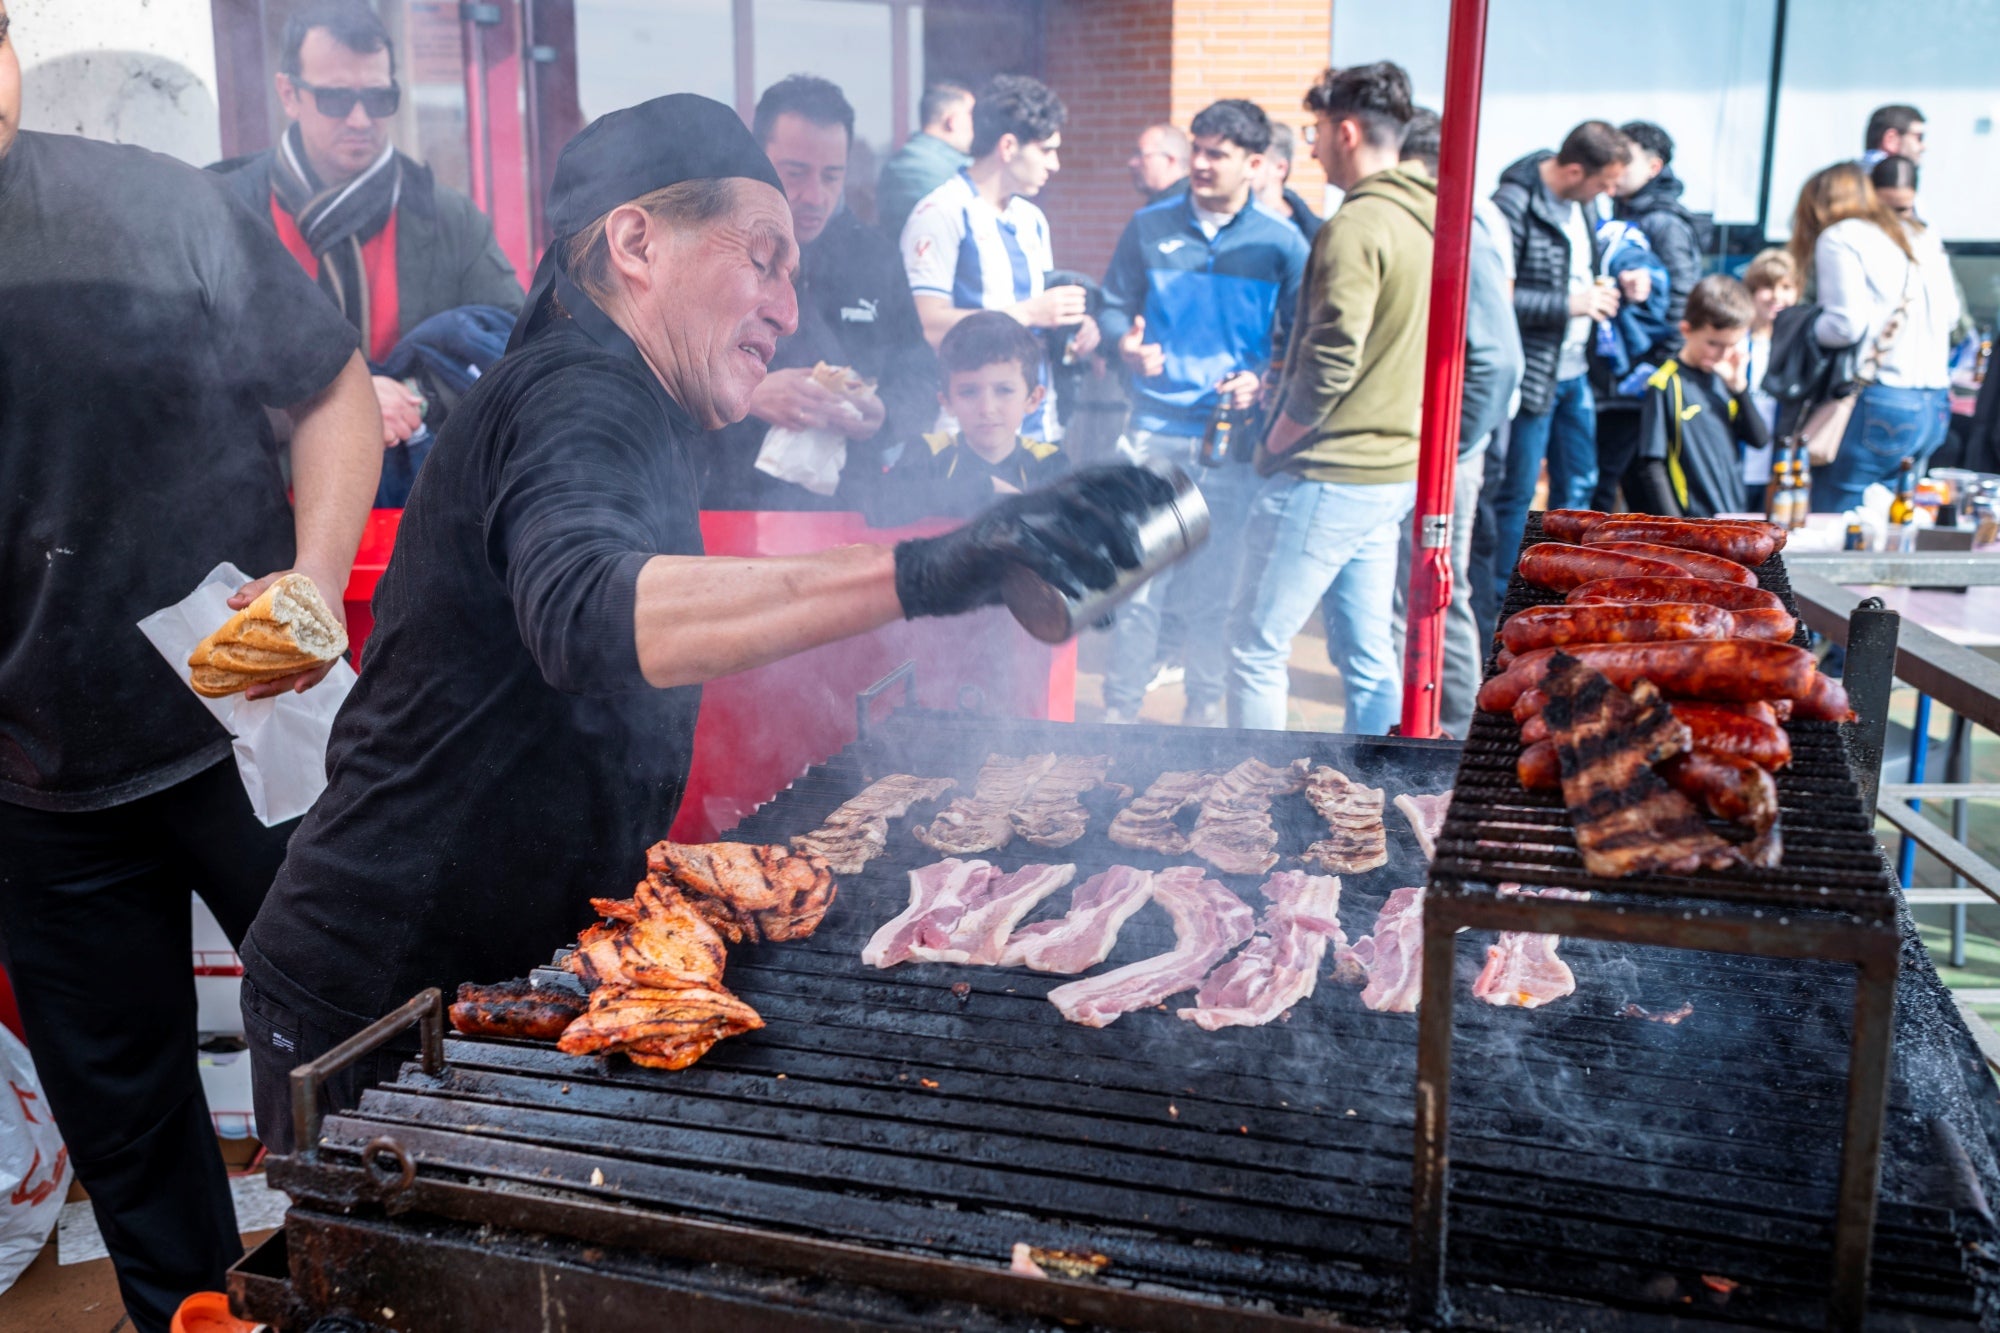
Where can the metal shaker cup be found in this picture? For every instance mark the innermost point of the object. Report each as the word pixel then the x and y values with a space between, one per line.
pixel 1172 531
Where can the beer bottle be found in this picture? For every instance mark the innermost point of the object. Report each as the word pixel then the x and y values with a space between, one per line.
pixel 1801 486
pixel 1903 509
pixel 1856 539
pixel 1215 440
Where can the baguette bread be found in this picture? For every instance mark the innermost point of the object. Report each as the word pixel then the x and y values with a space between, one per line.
pixel 841 380
pixel 288 629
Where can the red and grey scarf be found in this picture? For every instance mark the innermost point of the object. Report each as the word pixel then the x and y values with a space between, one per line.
pixel 336 220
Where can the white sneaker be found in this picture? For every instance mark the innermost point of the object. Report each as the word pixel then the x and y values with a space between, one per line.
pixel 1171 674
pixel 1211 716
pixel 1118 717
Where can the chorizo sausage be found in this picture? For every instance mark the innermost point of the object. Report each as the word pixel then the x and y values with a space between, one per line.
pixel 1569 525
pixel 1698 563
pixel 1726 786
pixel 1770 626
pixel 1540 767
pixel 1713 729
pixel 1741 542
pixel 1825 700
pixel 1561 568
pixel 1770 712
pixel 1678 588
pixel 1610 622
pixel 1722 670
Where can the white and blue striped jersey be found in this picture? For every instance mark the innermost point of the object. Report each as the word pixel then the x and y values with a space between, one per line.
pixel 958 246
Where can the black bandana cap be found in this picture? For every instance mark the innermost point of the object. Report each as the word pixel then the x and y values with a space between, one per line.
pixel 625 154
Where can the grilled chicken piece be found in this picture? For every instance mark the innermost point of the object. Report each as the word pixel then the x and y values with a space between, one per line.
pixel 660 1028
pixel 655 939
pixel 516 1008
pixel 1627 820
pixel 856 832
pixel 747 891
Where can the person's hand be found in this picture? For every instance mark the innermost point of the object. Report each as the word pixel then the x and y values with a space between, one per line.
pixel 792 398
pixel 1086 339
pixel 1734 368
pixel 1599 300
pixel 861 417
pixel 1076 533
pixel 1146 359
pixel 1052 308
pixel 1637 284
pixel 330 586
pixel 402 411
pixel 1240 389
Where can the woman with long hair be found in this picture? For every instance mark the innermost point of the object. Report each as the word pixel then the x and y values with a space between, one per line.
pixel 1890 296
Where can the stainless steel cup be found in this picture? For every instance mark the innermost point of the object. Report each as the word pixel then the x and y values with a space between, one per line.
pixel 1172 531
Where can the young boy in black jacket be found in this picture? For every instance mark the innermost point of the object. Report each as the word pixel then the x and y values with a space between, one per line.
pixel 1697 416
pixel 992 382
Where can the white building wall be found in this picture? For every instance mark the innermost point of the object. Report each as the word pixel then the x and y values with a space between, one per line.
pixel 130 71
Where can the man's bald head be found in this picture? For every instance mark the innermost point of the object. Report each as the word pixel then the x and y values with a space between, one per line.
pixel 1160 159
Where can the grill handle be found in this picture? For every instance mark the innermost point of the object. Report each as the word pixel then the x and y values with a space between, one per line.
pixel 863 702
pixel 426 1009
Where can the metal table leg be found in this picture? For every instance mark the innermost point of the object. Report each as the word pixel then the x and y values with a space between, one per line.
pixel 1429 1305
pixel 1920 754
pixel 1958 768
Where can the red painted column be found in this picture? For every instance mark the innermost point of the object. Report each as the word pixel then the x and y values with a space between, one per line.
pixel 1444 370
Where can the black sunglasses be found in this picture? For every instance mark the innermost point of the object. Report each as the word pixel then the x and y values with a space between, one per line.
pixel 379 103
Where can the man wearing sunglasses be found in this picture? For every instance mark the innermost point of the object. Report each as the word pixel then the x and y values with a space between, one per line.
pixel 388 244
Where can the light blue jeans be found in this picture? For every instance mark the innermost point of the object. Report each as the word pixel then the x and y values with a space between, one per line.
pixel 1308 540
pixel 1889 424
pixel 1198 587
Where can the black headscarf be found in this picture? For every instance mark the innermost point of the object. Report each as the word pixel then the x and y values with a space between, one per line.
pixel 626 154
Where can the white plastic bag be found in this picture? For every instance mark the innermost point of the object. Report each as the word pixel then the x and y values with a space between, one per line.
pixel 34 1165
pixel 812 458
pixel 280 743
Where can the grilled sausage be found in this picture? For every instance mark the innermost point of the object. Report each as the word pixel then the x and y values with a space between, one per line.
pixel 1569 525
pixel 1561 568
pixel 1504 658
pixel 1770 712
pixel 1726 786
pixel 1698 563
pixel 1611 622
pixel 1825 700
pixel 1713 728
pixel 1770 626
pixel 1678 588
pixel 1722 670
pixel 1741 542
pixel 1540 767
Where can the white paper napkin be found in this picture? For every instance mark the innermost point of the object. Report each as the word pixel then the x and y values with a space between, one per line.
pixel 280 743
pixel 812 458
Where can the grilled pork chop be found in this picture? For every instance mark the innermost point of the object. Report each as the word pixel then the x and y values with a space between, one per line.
pixel 1353 814
pixel 1234 833
pixel 858 830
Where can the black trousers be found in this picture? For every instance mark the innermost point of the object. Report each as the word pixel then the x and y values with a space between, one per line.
pixel 95 930
pixel 282 1038
pixel 1617 450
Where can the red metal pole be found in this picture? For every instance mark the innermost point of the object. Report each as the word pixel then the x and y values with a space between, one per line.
pixel 1444 370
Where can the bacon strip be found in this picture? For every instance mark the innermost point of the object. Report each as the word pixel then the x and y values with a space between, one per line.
pixel 1209 921
pixel 1281 965
pixel 1081 939
pixel 961 912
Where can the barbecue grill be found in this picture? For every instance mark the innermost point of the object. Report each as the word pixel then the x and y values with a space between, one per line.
pixel 871 1157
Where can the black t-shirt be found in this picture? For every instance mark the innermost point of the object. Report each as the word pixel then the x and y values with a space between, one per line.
pixel 146 321
pixel 1695 469
pixel 501 760
pixel 940 476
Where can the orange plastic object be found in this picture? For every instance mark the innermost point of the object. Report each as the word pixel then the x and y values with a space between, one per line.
pixel 208 1312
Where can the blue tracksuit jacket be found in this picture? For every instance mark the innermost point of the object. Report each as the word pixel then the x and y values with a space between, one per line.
pixel 1214 307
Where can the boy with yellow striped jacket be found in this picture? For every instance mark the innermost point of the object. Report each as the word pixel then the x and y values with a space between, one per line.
pixel 1696 417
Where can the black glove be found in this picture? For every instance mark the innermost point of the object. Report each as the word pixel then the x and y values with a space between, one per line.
pixel 1076 534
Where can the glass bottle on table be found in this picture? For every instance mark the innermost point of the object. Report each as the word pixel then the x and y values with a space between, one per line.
pixel 1903 509
pixel 1801 485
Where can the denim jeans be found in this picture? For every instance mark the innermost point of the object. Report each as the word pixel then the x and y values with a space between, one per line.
pixel 1566 435
pixel 1888 426
pixel 1463 661
pixel 1197 587
pixel 1308 540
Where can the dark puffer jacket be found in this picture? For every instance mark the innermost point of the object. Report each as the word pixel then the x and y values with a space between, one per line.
pixel 1541 275
pixel 1677 237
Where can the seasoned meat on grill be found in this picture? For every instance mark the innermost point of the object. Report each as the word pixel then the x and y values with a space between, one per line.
pixel 1389 964
pixel 1745 543
pixel 1613 622
pixel 1050 815
pixel 856 832
pixel 1712 729
pixel 962 912
pixel 1353 814
pixel 1627 820
pixel 1426 815
pixel 1035 797
pixel 1734 789
pixel 1720 671
pixel 747 891
pixel 1522 969
pixel 1209 921
pixel 1083 937
pixel 516 1008
pixel 1677 588
pixel 1234 831
pixel 657 938
pixel 1148 823
pixel 658 1028
pixel 1279 967
pixel 1561 568
pixel 1698 564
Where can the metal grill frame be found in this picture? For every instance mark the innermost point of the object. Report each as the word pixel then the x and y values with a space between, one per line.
pixel 1759 919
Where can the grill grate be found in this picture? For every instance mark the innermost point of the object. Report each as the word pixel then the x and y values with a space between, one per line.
pixel 1597 1159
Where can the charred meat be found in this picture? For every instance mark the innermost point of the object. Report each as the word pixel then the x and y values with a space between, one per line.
pixel 1034 797
pixel 856 832
pixel 517 1008
pixel 1234 832
pixel 747 891
pixel 1149 823
pixel 1353 815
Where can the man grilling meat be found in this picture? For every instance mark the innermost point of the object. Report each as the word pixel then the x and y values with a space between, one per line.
pixel 526 719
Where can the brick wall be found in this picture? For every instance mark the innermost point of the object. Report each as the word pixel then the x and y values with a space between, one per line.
pixel 1121 65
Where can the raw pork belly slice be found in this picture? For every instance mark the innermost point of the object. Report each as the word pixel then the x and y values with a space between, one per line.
pixel 1148 822
pixel 1209 921
pixel 1353 815
pixel 1392 959
pixel 1426 816
pixel 1278 968
pixel 1522 968
pixel 1083 938
pixel 961 912
pixel 1233 833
